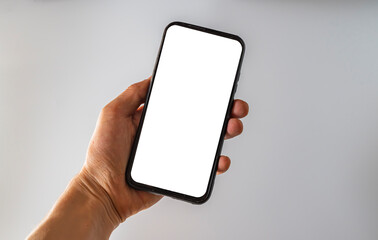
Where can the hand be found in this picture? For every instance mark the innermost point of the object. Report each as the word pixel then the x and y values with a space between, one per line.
pixel 111 144
pixel 98 198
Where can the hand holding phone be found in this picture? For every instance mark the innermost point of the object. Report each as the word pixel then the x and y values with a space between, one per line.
pixel 98 198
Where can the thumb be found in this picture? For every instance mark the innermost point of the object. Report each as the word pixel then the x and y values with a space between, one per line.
pixel 129 101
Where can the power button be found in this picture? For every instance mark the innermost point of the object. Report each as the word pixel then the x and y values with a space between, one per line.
pixel 237 76
pixel 236 87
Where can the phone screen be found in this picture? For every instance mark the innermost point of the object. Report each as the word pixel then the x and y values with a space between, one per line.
pixel 186 110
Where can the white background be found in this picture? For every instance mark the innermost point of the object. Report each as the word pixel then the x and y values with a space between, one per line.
pixel 306 166
pixel 180 134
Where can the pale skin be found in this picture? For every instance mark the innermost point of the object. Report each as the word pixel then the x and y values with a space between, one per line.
pixel 98 198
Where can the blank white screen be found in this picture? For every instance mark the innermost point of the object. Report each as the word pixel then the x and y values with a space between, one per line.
pixel 186 111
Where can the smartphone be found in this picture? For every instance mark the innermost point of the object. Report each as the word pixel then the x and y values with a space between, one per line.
pixel 180 135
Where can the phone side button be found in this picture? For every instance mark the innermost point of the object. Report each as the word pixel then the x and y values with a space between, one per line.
pixel 236 87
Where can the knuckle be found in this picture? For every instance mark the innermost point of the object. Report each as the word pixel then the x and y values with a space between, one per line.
pixel 111 109
pixel 133 88
pixel 134 91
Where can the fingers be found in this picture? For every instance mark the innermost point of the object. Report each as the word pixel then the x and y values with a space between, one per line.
pixel 129 101
pixel 234 128
pixel 239 109
pixel 223 164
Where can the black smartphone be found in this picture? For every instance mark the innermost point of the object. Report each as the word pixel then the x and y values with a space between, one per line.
pixel 179 140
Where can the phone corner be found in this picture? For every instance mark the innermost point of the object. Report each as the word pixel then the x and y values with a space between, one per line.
pixel 172 24
pixel 240 41
pixel 202 199
pixel 129 179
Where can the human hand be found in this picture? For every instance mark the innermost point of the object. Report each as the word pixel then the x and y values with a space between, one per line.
pixel 111 144
pixel 98 199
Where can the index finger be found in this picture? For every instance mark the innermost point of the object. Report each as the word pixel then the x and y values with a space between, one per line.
pixel 129 101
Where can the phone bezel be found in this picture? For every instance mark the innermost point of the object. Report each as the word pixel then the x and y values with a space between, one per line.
pixel 153 189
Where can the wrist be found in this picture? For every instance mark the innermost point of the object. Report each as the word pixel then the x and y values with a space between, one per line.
pixel 83 211
pixel 97 199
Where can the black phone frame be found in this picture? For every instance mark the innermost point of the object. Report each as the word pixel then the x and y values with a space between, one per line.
pixel 176 195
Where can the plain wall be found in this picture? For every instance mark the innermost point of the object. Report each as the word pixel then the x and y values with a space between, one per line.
pixel 306 166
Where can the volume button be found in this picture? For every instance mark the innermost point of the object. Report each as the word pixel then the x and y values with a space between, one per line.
pixel 236 87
